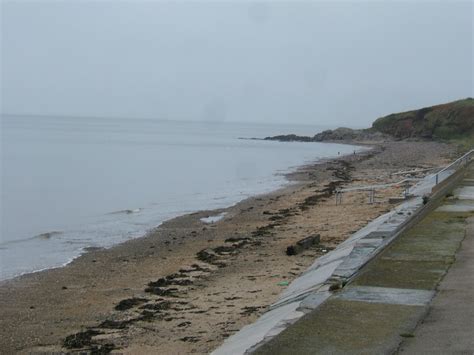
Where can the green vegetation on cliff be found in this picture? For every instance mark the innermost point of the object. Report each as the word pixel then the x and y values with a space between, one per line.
pixel 451 121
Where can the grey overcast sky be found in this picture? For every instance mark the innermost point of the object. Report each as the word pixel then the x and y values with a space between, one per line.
pixel 335 63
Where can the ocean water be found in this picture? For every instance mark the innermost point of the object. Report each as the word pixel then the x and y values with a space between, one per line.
pixel 72 183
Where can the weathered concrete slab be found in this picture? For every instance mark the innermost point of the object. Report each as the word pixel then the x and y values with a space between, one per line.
pixel 464 193
pixel 468 182
pixel 449 326
pixel 337 254
pixel 401 296
pixel 359 256
pixel 346 327
pixel 461 207
pixel 254 333
pixel 308 282
pixel 377 234
pixel 314 300
pixel 392 273
pixel 370 242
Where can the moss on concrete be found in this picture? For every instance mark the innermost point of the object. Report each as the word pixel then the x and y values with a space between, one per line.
pixel 419 258
pixel 342 327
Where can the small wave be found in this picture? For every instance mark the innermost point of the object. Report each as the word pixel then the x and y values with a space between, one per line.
pixel 219 198
pixel 47 235
pixel 91 248
pixel 130 211
pixel 42 236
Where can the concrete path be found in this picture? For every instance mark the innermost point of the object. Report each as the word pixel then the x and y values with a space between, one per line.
pixel 449 326
pixel 382 308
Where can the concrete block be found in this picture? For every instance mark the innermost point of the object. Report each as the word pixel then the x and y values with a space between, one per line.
pixel 399 296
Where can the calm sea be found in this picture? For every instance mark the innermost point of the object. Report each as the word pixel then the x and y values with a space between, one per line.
pixel 73 183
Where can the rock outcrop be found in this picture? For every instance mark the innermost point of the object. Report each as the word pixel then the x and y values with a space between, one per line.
pixel 341 134
pixel 449 121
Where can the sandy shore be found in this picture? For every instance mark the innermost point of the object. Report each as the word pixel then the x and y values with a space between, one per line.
pixel 188 285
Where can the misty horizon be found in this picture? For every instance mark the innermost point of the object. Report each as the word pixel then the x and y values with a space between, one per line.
pixel 340 64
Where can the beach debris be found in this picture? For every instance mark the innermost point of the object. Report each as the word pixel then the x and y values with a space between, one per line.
pixel 224 249
pixel 283 283
pixel 248 310
pixel 80 340
pixel 173 279
pixel 264 231
pixel 159 291
pixel 232 298
pixel 190 339
pixel 212 256
pixel 239 240
pixel 303 244
pixel 115 324
pixel 183 324
pixel 159 306
pixel 102 349
pixel 128 303
pixel 194 268
pixel 147 316
pixel 207 256
pixel 336 285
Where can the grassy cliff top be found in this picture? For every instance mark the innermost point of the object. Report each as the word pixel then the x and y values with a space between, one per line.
pixel 450 121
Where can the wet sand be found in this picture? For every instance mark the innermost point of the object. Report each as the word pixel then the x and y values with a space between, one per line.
pixel 188 285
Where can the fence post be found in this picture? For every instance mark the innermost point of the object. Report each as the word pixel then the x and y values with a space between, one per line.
pixel 371 196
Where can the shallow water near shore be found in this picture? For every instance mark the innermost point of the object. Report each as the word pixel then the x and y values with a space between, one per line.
pixel 69 184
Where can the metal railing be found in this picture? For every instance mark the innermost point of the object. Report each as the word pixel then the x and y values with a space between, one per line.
pixel 455 165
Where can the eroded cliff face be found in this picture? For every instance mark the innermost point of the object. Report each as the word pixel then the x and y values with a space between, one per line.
pixel 446 121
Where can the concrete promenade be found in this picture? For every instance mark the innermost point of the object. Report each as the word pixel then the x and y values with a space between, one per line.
pixel 415 297
pixel 449 325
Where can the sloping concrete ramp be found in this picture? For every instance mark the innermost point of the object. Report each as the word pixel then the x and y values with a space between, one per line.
pixel 383 305
pixel 378 304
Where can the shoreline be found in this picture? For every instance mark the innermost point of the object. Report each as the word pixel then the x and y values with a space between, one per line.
pixel 86 291
pixel 291 171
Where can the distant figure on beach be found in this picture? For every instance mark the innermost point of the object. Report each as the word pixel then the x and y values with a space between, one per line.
pixel 338 153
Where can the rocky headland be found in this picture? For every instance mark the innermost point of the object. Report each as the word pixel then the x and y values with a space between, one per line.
pixel 453 122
